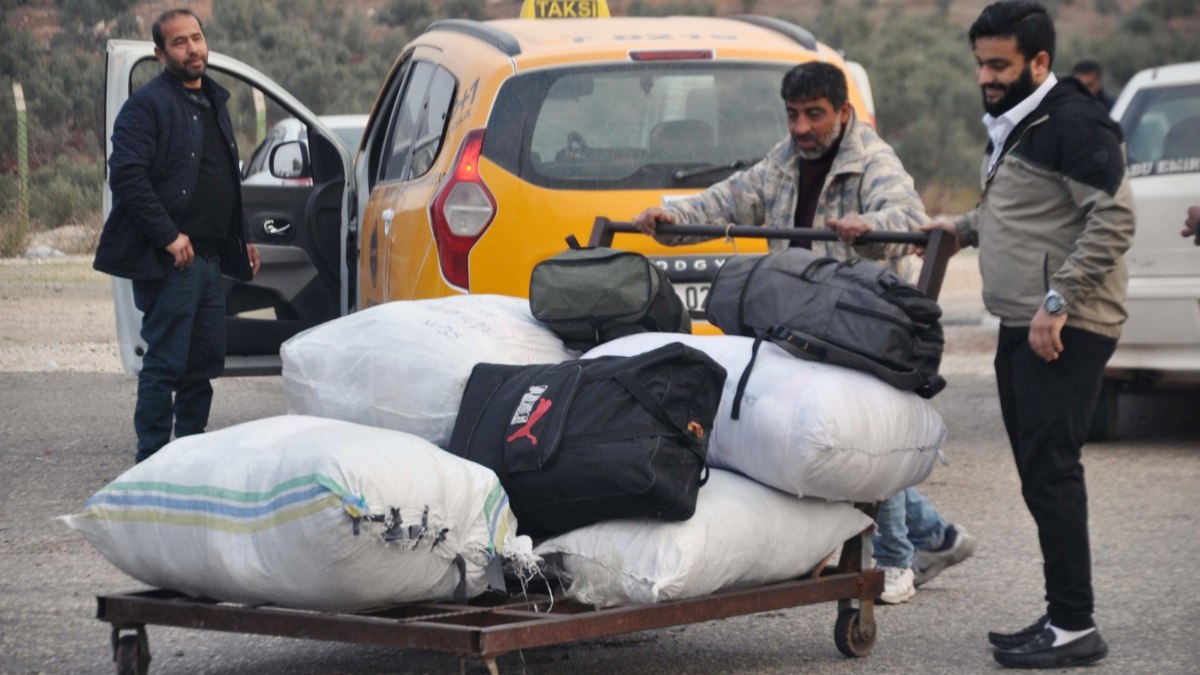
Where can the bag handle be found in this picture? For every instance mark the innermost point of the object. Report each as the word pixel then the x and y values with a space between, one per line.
pixel 811 268
pixel 573 243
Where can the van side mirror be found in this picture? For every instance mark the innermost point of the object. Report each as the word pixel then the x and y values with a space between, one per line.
pixel 290 160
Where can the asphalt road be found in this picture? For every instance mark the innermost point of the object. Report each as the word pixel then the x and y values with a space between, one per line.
pixel 64 435
pixel 65 431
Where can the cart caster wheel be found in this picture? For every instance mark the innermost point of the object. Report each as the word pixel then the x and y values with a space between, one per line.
pixel 130 657
pixel 851 637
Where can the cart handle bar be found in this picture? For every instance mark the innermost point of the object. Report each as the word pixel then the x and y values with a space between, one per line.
pixel 933 267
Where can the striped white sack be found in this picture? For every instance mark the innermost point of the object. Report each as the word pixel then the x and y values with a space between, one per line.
pixel 306 512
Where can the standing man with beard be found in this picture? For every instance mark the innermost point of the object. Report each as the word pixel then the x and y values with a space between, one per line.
pixel 175 227
pixel 836 172
pixel 1052 227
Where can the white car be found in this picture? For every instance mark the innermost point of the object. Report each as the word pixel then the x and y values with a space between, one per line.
pixel 1159 110
pixel 347 128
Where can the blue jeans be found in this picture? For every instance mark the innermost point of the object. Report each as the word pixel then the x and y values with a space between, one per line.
pixel 183 325
pixel 906 522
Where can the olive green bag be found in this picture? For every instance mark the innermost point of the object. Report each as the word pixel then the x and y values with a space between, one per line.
pixel 592 295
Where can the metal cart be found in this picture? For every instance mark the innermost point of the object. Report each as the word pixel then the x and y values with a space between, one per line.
pixel 495 624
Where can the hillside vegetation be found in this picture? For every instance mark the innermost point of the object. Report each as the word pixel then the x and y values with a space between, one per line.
pixel 334 55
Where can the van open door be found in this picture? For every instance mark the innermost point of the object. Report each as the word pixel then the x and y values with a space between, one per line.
pixel 300 226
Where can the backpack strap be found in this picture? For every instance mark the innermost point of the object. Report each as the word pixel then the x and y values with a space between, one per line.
pixel 804 348
pixel 736 412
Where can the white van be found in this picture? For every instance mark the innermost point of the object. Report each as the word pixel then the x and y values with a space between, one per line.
pixel 1159 110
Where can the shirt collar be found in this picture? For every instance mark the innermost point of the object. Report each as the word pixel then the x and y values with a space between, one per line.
pixel 1021 110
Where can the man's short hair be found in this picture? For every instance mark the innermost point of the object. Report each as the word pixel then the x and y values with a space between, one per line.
pixel 1025 20
pixel 1087 67
pixel 814 80
pixel 156 29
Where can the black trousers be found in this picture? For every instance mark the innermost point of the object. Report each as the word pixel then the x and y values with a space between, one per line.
pixel 1047 409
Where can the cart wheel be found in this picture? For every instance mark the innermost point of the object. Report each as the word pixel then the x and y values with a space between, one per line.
pixel 851 637
pixel 130 657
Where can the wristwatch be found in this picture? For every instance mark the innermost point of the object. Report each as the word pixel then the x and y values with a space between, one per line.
pixel 1054 304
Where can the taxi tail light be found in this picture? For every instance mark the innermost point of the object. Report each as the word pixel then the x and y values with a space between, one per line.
pixel 463 207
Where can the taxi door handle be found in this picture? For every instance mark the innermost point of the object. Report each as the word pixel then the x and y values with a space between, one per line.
pixel 387 217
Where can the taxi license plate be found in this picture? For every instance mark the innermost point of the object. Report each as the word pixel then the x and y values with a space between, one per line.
pixel 693 295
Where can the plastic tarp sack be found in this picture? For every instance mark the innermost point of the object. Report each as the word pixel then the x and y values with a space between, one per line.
pixel 404 365
pixel 308 513
pixel 811 429
pixel 742 534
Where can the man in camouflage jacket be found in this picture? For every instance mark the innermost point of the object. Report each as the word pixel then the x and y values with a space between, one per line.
pixel 832 171
pixel 836 172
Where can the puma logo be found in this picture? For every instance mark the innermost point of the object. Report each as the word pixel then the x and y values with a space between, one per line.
pixel 526 430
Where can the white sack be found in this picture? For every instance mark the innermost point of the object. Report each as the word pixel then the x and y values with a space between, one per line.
pixel 811 429
pixel 267 511
pixel 743 534
pixel 404 365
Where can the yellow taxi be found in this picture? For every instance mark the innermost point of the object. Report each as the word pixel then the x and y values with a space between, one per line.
pixel 491 142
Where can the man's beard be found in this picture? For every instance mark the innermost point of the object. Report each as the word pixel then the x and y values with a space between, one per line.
pixel 185 72
pixel 823 144
pixel 1013 93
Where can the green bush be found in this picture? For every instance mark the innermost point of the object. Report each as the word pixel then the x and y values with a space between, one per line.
pixel 62 192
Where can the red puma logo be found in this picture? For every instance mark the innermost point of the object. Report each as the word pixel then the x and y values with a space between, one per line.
pixel 543 406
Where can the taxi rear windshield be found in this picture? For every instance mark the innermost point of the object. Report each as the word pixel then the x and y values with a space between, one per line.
pixel 636 126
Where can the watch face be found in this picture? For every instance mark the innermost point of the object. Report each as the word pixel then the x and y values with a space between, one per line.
pixel 1055 305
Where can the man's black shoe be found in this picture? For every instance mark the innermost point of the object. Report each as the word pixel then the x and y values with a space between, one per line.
pixel 1040 652
pixel 1014 640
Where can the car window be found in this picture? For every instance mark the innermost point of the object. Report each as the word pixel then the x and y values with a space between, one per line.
pixel 406 122
pixel 433 124
pixel 258 160
pixel 635 126
pixel 349 136
pixel 1162 130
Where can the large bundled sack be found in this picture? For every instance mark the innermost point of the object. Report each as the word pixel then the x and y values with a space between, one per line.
pixel 852 313
pixel 403 365
pixel 808 428
pixel 742 534
pixel 592 295
pixel 309 513
pixel 583 441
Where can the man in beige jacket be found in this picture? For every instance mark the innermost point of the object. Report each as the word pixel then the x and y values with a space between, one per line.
pixel 1052 226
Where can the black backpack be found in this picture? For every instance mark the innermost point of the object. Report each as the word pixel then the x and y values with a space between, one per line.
pixel 588 296
pixel 856 314
pixel 583 441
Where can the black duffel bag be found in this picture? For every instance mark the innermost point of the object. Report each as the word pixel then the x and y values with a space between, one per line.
pixel 856 314
pixel 580 442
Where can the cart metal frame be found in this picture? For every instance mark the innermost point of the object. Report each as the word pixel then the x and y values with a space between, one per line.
pixel 496 623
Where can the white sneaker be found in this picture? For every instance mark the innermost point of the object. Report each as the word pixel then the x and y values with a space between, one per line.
pixel 897 585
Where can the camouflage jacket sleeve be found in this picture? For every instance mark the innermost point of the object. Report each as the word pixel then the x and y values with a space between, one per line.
pixel 737 200
pixel 888 199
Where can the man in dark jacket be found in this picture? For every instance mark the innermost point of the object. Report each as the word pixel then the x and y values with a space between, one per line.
pixel 175 226
pixel 1052 226
pixel 1088 73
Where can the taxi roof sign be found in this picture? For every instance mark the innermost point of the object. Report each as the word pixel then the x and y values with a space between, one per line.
pixel 564 9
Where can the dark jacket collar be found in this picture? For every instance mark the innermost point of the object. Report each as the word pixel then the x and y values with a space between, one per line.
pixel 1070 91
